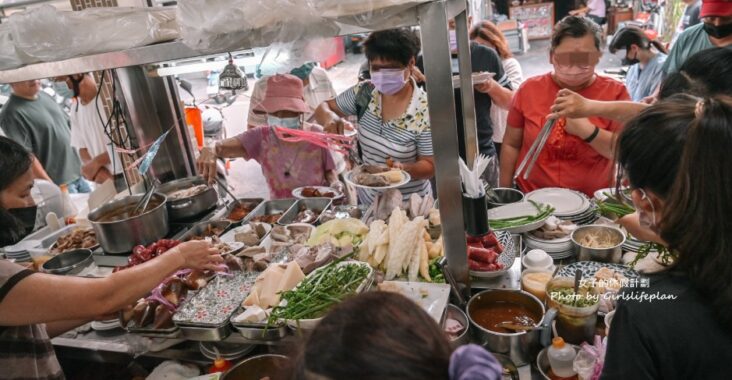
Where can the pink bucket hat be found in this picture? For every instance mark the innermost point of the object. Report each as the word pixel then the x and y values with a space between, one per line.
pixel 284 93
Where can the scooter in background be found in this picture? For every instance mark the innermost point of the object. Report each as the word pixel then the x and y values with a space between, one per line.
pixel 649 18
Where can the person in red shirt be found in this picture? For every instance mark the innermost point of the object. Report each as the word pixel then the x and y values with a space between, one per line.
pixel 578 154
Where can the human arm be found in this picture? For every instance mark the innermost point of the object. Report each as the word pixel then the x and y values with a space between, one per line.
pixel 569 104
pixel 423 168
pixel 631 223
pixel 330 116
pixel 38 171
pixel 92 165
pixel 55 329
pixel 103 175
pixel 43 298
pixel 500 95
pixel 602 143
pixel 512 142
pixel 228 148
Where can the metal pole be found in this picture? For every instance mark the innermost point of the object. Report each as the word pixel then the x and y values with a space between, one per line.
pixel 466 88
pixel 441 98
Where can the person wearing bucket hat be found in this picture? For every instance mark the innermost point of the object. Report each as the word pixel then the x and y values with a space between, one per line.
pixel 317 88
pixel 715 30
pixel 287 165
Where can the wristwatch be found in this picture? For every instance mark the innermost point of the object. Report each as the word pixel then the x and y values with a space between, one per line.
pixel 594 134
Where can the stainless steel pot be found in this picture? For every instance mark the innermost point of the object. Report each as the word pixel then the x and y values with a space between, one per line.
pixel 69 262
pixel 604 255
pixel 120 235
pixel 185 208
pixel 520 347
pixel 458 314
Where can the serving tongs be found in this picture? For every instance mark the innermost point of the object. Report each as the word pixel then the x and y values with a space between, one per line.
pixel 223 185
pixel 142 204
pixel 456 290
pixel 535 150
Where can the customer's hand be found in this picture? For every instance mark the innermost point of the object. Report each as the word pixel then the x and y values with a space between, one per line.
pixel 206 164
pixel 338 186
pixel 103 175
pixel 90 169
pixel 569 104
pixel 417 75
pixel 198 254
pixel 486 86
pixel 337 125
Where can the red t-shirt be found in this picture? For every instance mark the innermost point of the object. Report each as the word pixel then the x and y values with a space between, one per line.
pixel 566 161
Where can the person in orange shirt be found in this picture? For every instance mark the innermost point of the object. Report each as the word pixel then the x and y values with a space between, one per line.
pixel 578 154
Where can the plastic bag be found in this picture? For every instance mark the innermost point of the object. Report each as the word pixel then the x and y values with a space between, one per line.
pixel 10 57
pixel 236 24
pixel 48 34
pixel 364 13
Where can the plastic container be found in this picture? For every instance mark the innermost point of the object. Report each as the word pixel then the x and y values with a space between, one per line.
pixel 561 358
pixel 69 210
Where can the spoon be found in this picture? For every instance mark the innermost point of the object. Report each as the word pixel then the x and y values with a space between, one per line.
pixel 514 326
pixel 577 279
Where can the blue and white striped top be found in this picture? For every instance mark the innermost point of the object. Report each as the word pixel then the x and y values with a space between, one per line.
pixel 404 139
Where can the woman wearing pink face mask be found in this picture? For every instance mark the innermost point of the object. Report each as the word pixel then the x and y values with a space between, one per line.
pixel 578 154
pixel 394 127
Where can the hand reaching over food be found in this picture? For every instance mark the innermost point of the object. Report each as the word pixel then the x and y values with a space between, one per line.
pixel 198 254
pixel 206 164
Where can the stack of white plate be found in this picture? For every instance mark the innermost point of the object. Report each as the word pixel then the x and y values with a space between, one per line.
pixel 568 204
pixel 632 244
pixel 20 251
pixel 560 248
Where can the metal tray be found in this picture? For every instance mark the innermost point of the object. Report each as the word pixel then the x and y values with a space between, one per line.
pixel 171 333
pixel 317 205
pixel 199 228
pixel 231 205
pixel 279 206
pixel 204 333
pixel 258 331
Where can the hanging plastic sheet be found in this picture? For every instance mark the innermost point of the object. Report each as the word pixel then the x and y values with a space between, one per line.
pixel 10 57
pixel 48 34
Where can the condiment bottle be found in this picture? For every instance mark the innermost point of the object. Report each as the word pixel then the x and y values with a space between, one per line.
pixel 561 358
pixel 219 365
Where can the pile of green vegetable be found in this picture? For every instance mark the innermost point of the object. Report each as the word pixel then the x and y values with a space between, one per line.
pixel 543 211
pixel 613 208
pixel 320 291
pixel 436 272
pixel 664 255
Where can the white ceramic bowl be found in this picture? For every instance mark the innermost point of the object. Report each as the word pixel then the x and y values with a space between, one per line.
pixel 537 259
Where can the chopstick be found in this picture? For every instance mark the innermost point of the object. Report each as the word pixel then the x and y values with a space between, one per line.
pixel 535 150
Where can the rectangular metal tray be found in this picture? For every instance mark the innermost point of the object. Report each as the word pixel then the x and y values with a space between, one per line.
pixel 230 207
pixel 199 228
pixel 205 333
pixel 317 205
pixel 171 333
pixel 279 206
pixel 258 331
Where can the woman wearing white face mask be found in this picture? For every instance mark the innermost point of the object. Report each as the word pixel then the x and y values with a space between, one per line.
pixel 287 165
pixel 648 155
pixel 578 153
pixel 394 127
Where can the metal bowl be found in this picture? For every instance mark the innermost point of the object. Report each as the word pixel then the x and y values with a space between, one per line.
pixel 611 254
pixel 504 196
pixel 459 315
pixel 69 262
pixel 261 366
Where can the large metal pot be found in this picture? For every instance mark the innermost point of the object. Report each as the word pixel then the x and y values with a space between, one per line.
pixel 185 208
pixel 258 367
pixel 520 347
pixel 604 255
pixel 119 235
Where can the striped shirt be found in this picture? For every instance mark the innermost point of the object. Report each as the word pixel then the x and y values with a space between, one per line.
pixel 25 351
pixel 404 139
